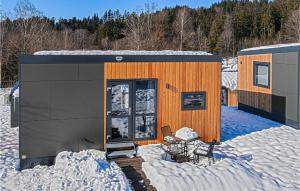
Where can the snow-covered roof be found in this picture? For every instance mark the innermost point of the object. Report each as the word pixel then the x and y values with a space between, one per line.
pixel 119 52
pixel 229 73
pixel 271 47
pixel 229 80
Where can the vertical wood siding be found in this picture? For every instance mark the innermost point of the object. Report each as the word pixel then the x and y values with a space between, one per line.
pixel 254 96
pixel 232 98
pixel 183 77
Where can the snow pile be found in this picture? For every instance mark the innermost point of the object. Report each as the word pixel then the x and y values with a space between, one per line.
pixel 4 96
pixel 229 80
pixel 16 93
pixel 119 52
pixel 85 170
pixel 229 73
pixel 265 157
pixel 186 133
pixel 271 46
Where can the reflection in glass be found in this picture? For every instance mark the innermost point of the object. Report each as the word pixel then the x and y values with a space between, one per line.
pixel 120 99
pixel 145 97
pixel 144 127
pixel 119 127
pixel 193 100
pixel 263 75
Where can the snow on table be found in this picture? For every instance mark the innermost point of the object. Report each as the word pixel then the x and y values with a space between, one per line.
pixel 259 154
pixel 85 170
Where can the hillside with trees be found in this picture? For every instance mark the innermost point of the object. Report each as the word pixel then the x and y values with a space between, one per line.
pixel 223 29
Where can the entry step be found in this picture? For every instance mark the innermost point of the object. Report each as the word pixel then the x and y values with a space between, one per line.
pixel 119 145
pixel 127 153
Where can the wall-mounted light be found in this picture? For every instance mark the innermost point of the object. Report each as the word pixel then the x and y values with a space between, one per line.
pixel 119 58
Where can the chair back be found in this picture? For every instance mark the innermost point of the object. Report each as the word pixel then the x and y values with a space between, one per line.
pixel 166 131
pixel 211 148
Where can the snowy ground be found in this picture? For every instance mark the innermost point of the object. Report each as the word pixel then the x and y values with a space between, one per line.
pixel 86 170
pixel 258 154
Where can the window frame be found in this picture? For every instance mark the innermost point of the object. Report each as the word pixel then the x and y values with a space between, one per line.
pixel 255 71
pixel 183 108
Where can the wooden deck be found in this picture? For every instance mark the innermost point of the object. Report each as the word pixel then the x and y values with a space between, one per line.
pixel 132 168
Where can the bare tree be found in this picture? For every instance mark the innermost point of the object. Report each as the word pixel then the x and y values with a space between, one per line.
pixel 133 31
pixel 225 42
pixel 183 26
pixel 201 40
pixel 292 27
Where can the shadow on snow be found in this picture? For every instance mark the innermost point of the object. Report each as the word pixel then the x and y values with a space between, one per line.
pixel 236 123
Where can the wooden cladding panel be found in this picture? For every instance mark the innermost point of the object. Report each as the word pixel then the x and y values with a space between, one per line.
pixel 182 77
pixel 232 98
pixel 254 96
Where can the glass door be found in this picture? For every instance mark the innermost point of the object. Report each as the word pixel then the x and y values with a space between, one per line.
pixel 131 110
pixel 119 101
pixel 145 109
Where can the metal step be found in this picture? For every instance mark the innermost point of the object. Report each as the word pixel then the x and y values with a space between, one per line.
pixel 127 153
pixel 119 145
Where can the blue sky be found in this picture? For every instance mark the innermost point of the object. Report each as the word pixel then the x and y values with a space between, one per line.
pixel 84 8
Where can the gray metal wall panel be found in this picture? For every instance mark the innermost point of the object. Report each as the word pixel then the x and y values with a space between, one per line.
pixel 35 101
pixel 91 72
pixel 299 89
pixel 61 112
pixel 285 81
pixel 48 138
pixel 76 99
pixel 42 72
pixel 14 110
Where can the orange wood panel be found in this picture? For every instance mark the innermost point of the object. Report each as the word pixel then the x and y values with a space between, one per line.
pixel 248 94
pixel 182 77
pixel 232 98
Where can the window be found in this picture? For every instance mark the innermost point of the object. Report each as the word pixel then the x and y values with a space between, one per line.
pixel 193 100
pixel 261 74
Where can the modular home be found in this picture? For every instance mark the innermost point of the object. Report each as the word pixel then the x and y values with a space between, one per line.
pixel 268 82
pixel 74 100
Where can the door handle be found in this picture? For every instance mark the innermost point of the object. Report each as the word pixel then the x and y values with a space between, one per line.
pixel 129 111
pixel 108 113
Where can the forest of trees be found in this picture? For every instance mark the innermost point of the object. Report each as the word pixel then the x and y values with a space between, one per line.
pixel 223 28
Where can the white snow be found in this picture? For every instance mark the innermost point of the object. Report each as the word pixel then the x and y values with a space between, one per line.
pixel 186 133
pixel 4 95
pixel 85 170
pixel 271 46
pixel 229 73
pixel 16 93
pixel 257 154
pixel 119 52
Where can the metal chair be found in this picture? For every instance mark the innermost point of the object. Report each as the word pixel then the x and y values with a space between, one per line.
pixel 198 152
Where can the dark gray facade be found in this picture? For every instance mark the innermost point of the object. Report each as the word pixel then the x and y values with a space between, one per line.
pixel 61 108
pixel 14 112
pixel 285 83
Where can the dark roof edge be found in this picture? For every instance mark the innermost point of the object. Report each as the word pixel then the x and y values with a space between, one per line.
pixel 270 50
pixel 73 59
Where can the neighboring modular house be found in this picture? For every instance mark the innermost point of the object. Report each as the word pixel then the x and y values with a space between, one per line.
pixel 268 82
pixel 74 100
pixel 229 93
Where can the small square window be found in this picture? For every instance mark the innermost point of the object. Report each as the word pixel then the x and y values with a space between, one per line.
pixel 261 74
pixel 193 100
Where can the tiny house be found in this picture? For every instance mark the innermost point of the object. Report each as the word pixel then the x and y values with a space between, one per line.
pixel 268 82
pixel 74 100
